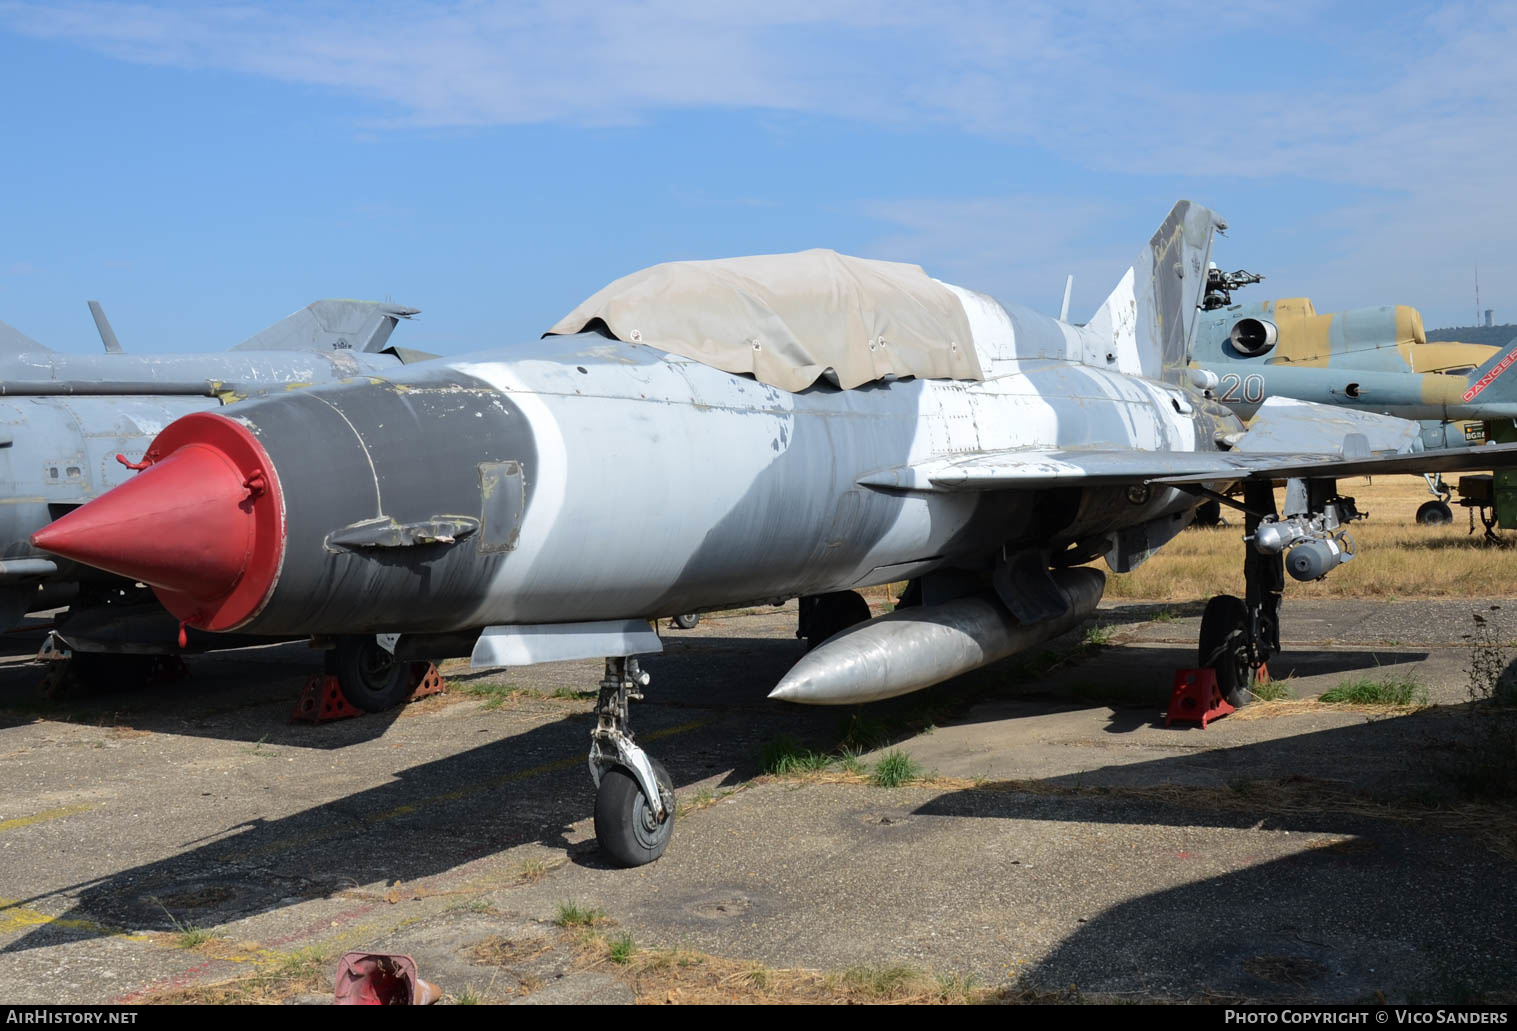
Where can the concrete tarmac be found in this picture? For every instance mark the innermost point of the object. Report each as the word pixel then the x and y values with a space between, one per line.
pixel 1069 842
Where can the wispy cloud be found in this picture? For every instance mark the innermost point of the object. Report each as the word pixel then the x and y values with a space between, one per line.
pixel 1410 105
pixel 1160 88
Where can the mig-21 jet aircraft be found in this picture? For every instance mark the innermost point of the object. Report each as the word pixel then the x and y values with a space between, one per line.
pixel 839 423
pixel 73 426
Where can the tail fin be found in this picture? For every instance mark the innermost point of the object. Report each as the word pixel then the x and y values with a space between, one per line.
pixel 331 326
pixel 1481 380
pixel 13 341
pixel 1151 314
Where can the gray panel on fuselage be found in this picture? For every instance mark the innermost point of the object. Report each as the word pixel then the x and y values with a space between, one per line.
pixel 683 480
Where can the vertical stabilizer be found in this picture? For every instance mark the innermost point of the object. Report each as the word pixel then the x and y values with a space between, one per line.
pixel 1144 327
pixel 1496 380
pixel 331 326
pixel 13 341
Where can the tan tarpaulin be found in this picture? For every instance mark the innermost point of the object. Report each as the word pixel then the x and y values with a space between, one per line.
pixel 787 318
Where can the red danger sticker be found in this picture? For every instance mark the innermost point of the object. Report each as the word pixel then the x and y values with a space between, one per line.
pixel 1488 378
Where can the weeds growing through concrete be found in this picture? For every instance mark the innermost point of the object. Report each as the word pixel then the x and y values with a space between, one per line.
pixel 621 949
pixel 573 914
pixel 1273 691
pixel 186 935
pixel 784 757
pixel 1367 691
pixel 894 769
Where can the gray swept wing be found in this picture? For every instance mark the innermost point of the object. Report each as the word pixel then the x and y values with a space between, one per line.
pixel 1288 438
pixel 1038 468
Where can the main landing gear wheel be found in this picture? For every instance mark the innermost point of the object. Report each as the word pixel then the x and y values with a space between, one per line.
pixel 370 677
pixel 1434 513
pixel 1225 648
pixel 634 800
pixel 86 673
pixel 627 827
pixel 687 621
pixel 823 615
pixel 1208 514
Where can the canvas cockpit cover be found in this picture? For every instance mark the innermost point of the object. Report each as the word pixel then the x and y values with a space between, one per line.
pixel 788 318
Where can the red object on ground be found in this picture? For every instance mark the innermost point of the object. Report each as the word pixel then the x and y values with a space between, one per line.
pixel 322 700
pixel 203 524
pixel 1196 698
pixel 425 680
pixel 380 979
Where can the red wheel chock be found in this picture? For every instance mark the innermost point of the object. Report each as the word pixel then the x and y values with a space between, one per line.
pixel 322 698
pixel 1196 698
pixel 425 681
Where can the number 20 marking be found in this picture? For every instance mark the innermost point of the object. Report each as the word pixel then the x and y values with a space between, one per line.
pixel 1252 384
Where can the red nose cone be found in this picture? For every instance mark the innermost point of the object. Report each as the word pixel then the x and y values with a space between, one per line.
pixel 203 525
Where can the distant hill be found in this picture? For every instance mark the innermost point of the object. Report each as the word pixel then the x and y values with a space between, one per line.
pixel 1492 335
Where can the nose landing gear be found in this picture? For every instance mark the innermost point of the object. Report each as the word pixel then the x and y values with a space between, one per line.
pixel 634 800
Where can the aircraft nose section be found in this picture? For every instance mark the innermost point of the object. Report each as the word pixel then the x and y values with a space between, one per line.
pixel 203 524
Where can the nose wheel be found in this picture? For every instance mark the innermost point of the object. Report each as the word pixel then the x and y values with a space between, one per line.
pixel 634 799
pixel 628 827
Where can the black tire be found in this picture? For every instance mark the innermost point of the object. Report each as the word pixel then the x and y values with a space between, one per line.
pixel 1208 514
pixel 687 621
pixel 834 613
pixel 369 676
pixel 1434 513
pixel 625 828
pixel 1223 626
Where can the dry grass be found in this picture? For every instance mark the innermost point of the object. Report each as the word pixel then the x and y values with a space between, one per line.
pixel 279 976
pixel 685 977
pixel 1395 557
pixel 1305 706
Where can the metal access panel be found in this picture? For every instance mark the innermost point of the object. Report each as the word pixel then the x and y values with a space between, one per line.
pixel 503 499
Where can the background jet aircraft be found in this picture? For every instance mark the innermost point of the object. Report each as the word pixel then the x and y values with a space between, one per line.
pixel 1370 359
pixel 841 423
pixel 64 419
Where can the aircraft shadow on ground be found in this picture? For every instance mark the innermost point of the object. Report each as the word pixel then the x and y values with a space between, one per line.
pixel 700 719
pixel 233 695
pixel 437 816
pixel 1400 903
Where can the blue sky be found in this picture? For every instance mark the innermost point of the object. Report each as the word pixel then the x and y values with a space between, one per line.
pixel 203 169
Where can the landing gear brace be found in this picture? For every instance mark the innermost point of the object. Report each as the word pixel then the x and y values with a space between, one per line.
pixel 1239 636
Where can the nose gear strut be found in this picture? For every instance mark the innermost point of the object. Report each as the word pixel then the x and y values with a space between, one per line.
pixel 634 802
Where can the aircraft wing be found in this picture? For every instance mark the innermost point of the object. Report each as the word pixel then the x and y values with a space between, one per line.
pixel 1038 468
pixel 1288 438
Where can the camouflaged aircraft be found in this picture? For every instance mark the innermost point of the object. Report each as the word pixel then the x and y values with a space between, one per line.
pixel 1366 359
pixel 74 426
pixel 709 434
